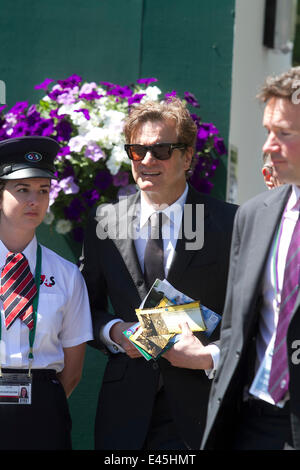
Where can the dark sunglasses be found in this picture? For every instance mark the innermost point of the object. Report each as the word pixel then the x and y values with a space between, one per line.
pixel 137 152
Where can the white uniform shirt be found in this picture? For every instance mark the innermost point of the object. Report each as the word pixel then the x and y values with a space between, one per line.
pixel 63 317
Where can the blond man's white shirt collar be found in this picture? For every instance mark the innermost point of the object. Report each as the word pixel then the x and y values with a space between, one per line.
pixel 173 212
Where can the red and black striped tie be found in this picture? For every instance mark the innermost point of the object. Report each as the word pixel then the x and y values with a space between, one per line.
pixel 18 290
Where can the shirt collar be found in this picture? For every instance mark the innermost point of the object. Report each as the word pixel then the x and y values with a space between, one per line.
pixel 294 197
pixel 173 212
pixel 29 252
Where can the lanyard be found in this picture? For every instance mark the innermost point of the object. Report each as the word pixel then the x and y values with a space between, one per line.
pixel 37 280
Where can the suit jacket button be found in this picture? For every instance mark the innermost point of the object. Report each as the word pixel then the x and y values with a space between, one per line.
pixel 155 366
pixel 140 282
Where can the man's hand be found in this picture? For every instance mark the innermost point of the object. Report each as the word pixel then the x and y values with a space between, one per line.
pixel 116 334
pixel 189 352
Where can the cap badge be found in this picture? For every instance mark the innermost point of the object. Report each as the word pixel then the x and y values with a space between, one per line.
pixel 33 157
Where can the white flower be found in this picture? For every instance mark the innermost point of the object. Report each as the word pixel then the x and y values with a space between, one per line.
pixel 11 121
pixel 69 97
pixel 68 185
pixel 46 98
pixel 101 135
pixel 152 93
pixel 70 108
pixel 113 118
pixel 88 88
pixel 118 156
pixel 63 226
pixel 49 217
pixel 76 143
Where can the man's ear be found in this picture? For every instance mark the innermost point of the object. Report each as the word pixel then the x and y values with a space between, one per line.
pixel 188 156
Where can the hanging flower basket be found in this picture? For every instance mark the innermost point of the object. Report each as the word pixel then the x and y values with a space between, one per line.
pixel 92 167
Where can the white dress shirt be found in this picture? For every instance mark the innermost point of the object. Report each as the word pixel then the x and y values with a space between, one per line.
pixel 170 232
pixel 63 317
pixel 269 313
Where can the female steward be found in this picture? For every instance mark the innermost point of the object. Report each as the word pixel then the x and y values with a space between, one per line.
pixel 45 315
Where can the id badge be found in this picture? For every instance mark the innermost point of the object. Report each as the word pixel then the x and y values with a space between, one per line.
pixel 259 387
pixel 15 389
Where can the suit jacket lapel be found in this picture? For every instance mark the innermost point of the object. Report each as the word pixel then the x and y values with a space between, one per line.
pixel 182 254
pixel 267 219
pixel 122 235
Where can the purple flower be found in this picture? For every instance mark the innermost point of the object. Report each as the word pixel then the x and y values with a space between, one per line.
pixel 19 107
pixel 219 145
pixel 32 116
pixel 3 107
pixel 146 81
pixel 64 130
pixel 74 210
pixel 85 112
pixel 64 150
pixel 135 98
pixel 68 171
pixel 121 179
pixel 70 82
pixel 68 96
pixel 43 127
pixel 203 133
pixel 55 93
pixel 68 185
pixel 121 91
pixel 197 180
pixel 88 92
pixel 109 85
pixel 54 114
pixel 196 119
pixel 202 137
pixel 215 164
pixel 78 234
pixel 211 129
pixel 91 96
pixel 205 130
pixel 44 84
pixel 20 129
pixel 94 152
pixel 91 196
pixel 191 99
pixel 171 95
pixel 54 191
pixel 3 134
pixel 87 88
pixel 103 180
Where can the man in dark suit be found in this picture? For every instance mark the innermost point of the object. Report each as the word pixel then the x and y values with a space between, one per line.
pixel 254 401
pixel 155 405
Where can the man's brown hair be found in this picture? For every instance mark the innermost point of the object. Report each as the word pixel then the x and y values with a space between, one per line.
pixel 281 86
pixel 172 109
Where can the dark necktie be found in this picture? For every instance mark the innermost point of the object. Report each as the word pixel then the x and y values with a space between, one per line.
pixel 279 375
pixel 154 252
pixel 18 290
